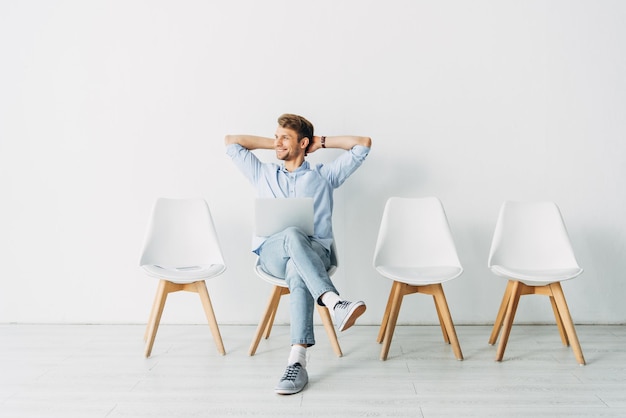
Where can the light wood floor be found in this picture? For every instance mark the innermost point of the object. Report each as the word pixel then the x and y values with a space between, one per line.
pixel 99 371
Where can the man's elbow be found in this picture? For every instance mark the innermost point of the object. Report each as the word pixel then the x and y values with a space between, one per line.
pixel 366 141
pixel 230 139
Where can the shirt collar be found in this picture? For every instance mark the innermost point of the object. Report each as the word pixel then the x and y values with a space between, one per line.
pixel 303 167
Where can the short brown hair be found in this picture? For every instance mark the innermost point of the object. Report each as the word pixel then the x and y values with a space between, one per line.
pixel 303 127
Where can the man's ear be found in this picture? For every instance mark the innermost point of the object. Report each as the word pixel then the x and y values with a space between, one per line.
pixel 304 143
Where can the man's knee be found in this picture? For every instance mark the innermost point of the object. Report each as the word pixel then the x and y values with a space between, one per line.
pixel 293 233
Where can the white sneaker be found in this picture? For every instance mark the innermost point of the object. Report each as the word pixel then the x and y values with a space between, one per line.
pixel 293 381
pixel 346 313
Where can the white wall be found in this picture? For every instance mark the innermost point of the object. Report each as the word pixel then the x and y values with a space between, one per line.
pixel 106 105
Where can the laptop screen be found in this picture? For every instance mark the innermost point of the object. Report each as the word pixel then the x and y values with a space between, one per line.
pixel 273 215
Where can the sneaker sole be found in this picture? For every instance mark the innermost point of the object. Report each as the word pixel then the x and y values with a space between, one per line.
pixel 352 316
pixel 289 391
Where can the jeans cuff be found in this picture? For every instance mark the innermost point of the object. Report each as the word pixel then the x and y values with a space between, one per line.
pixel 318 299
pixel 307 342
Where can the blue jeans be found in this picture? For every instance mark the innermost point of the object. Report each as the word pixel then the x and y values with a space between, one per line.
pixel 303 263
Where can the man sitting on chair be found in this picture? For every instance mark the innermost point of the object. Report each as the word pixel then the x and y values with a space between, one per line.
pixel 300 259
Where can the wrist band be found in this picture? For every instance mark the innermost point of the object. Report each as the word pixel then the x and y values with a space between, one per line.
pixel 323 142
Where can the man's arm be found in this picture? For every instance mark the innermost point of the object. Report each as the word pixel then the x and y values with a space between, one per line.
pixel 250 142
pixel 343 142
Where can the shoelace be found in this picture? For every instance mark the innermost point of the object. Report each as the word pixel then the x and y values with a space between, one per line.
pixel 291 372
pixel 342 304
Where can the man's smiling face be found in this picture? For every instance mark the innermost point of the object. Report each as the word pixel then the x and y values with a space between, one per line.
pixel 286 144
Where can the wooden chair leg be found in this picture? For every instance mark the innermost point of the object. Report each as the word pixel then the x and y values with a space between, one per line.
pixel 165 288
pixel 444 313
pixel 210 315
pixel 497 326
pixel 383 324
pixel 515 294
pixel 559 322
pixel 153 312
pixel 272 306
pixel 265 326
pixel 393 318
pixel 330 329
pixel 446 337
pixel 155 316
pixel 270 322
pixel 568 324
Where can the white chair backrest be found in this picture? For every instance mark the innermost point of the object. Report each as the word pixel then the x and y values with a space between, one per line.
pixel 531 235
pixel 415 233
pixel 181 233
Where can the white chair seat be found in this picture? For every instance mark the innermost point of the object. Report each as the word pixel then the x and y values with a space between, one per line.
pixel 268 277
pixel 419 276
pixel 186 274
pixel 536 277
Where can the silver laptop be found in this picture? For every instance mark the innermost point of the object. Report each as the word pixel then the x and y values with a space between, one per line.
pixel 272 215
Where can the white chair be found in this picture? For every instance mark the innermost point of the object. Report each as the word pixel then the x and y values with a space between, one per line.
pixel 531 248
pixel 415 249
pixel 280 289
pixel 181 250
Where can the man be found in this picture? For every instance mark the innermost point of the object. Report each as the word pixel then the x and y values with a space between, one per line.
pixel 300 259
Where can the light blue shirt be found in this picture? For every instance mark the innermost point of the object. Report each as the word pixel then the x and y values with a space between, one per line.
pixel 319 182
